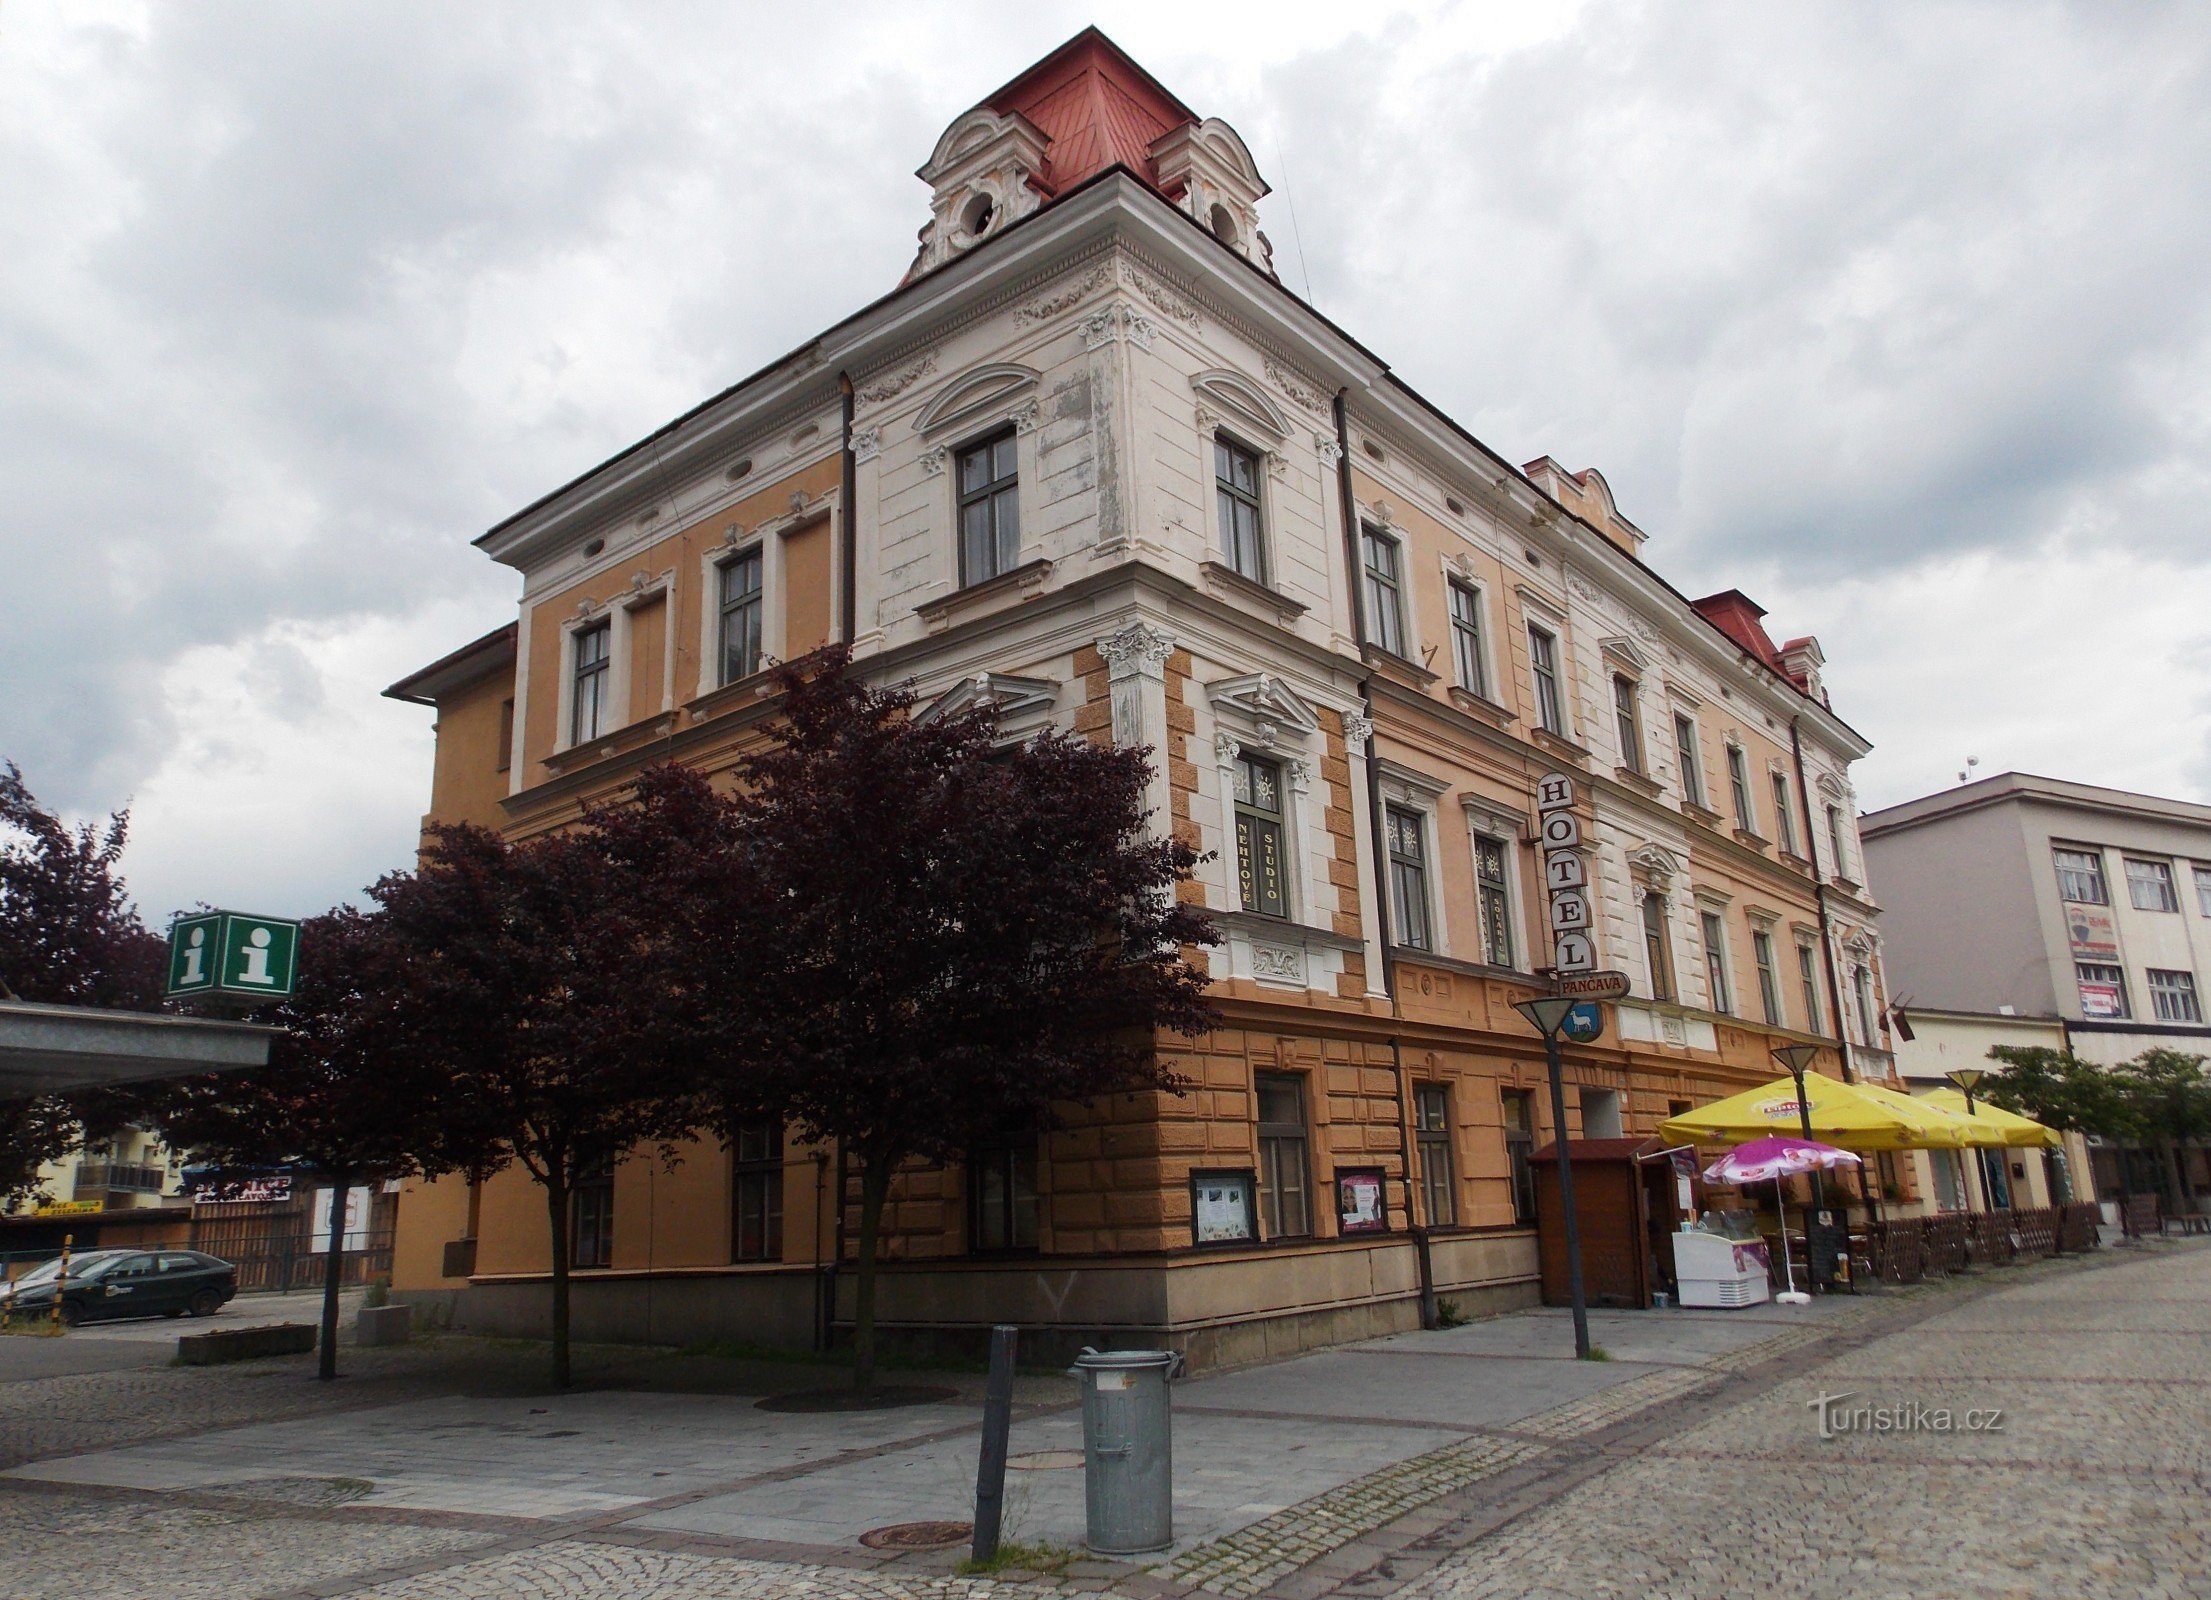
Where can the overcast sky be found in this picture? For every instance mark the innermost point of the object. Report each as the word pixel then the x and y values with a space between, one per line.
pixel 1894 316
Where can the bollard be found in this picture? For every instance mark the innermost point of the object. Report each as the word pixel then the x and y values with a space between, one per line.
pixel 990 1468
pixel 1128 1455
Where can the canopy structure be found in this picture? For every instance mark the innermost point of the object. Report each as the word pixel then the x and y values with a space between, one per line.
pixel 1852 1116
pixel 53 1049
pixel 1993 1125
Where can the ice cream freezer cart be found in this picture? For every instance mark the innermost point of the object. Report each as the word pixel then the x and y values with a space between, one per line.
pixel 1713 1271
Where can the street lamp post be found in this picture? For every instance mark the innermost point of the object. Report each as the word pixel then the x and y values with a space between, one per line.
pixel 1798 1058
pixel 1548 1013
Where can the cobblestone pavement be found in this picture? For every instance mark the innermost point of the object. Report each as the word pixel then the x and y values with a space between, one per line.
pixel 1705 1476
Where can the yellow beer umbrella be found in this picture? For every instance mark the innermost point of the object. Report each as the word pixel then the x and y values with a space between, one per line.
pixel 2011 1130
pixel 1852 1116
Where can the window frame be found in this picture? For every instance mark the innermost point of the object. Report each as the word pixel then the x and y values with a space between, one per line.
pixel 2097 884
pixel 1468 656
pixel 2174 1001
pixel 1004 557
pixel 1432 1136
pixel 1738 783
pixel 1807 971
pixel 1228 493
pixel 1627 723
pixel 1251 822
pixel 2202 877
pixel 1784 813
pixel 1519 1141
pixel 1841 866
pixel 1544 667
pixel 1718 981
pixel 1275 1149
pixel 1658 947
pixel 2117 980
pixel 1687 747
pixel 757 1175
pixel 1861 998
pixel 591 1194
pixel 1008 1162
pixel 1384 588
pixel 1493 901
pixel 1769 977
pixel 598 673
pixel 754 556
pixel 1410 892
pixel 2159 880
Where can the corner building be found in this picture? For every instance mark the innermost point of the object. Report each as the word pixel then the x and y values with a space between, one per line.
pixel 1091 460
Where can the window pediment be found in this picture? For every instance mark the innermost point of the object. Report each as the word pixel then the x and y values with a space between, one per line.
pixel 1625 652
pixel 975 392
pixel 1239 400
pixel 1264 701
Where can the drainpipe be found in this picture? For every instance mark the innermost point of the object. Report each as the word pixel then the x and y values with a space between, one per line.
pixel 848 513
pixel 1415 1224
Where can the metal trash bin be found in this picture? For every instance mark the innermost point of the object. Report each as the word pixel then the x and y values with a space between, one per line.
pixel 1128 1453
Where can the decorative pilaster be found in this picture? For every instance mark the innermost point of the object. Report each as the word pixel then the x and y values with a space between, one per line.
pixel 1136 663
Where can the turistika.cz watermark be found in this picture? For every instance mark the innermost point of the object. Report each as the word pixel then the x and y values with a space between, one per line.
pixel 1837 1416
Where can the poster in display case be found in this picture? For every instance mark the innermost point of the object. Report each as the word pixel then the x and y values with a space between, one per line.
pixel 1360 1203
pixel 1221 1207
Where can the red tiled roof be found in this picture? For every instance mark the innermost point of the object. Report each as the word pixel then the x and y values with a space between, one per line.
pixel 1096 107
pixel 1735 614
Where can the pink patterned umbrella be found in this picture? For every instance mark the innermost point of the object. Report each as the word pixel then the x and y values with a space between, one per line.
pixel 1778 1156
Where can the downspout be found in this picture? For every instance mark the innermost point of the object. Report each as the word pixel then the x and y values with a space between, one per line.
pixel 1415 1224
pixel 848 513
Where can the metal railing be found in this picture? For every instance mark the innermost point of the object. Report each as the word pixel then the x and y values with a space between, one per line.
pixel 124 1175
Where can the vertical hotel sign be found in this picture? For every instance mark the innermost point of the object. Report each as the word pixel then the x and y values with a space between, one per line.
pixel 1565 877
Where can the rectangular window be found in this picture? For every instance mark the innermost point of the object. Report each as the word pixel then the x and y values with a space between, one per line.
pixel 505 757
pixel 1784 819
pixel 756 1200
pixel 1657 946
pixel 990 509
pixel 1715 963
pixel 1769 982
pixel 740 624
pixel 1861 991
pixel 1236 496
pixel 1628 724
pixel 591 1220
pixel 1738 783
pixel 2103 990
pixel 1001 1192
pixel 2150 885
pixel 1285 1197
pixel 594 668
pixel 2080 877
pixel 1260 869
pixel 1692 770
pixel 1496 901
pixel 1438 1182
pixel 1409 880
pixel 1807 972
pixel 2173 996
pixel 1550 709
pixel 2203 890
pixel 1466 637
pixel 1385 611
pixel 1841 868
pixel 1519 1116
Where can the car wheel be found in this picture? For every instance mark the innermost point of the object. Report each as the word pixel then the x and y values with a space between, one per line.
pixel 71 1313
pixel 206 1303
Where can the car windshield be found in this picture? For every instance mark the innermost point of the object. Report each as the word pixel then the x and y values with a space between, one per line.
pixel 81 1266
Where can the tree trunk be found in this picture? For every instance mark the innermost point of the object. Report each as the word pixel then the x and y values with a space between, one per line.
pixel 556 1206
pixel 2172 1172
pixel 333 1273
pixel 875 1187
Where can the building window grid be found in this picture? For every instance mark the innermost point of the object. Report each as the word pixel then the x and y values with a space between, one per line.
pixel 1807 973
pixel 1784 819
pixel 1236 478
pixel 1738 783
pixel 1715 963
pixel 2100 974
pixel 1518 1110
pixel 593 680
pixel 2080 877
pixel 2173 996
pixel 1769 981
pixel 1861 992
pixel 1658 946
pixel 2203 889
pixel 1409 879
pixel 1466 637
pixel 1002 1200
pixel 1628 723
pixel 989 508
pixel 1261 873
pixel 1285 1174
pixel 1496 901
pixel 741 613
pixel 1385 608
pixel 1550 709
pixel 591 1220
pixel 1692 770
pixel 756 1182
pixel 1438 1176
pixel 1840 868
pixel 2150 885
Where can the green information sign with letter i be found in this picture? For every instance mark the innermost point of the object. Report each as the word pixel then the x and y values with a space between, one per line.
pixel 233 957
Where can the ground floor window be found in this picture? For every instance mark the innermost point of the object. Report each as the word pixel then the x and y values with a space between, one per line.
pixel 1519 1109
pixel 1001 1197
pixel 591 1220
pixel 756 1183
pixel 1438 1181
pixel 1285 1181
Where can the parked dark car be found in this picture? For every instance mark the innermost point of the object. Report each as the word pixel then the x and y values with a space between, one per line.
pixel 124 1283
